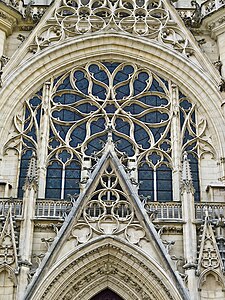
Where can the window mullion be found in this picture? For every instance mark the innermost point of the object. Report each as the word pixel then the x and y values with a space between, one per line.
pixel 43 139
pixel 175 140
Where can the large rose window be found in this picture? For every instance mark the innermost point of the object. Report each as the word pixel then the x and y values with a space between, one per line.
pixel 149 120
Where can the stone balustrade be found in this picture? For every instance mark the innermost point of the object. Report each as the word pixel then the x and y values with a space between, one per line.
pixel 16 205
pixel 209 6
pixel 59 209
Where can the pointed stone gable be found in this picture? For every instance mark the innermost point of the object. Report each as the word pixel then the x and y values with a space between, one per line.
pixel 8 251
pixel 209 256
pixel 154 21
pixel 108 208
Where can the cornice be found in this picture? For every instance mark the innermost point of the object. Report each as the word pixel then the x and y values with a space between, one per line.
pixel 9 18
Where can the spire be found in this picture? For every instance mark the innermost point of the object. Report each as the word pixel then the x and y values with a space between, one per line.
pixel 186 178
pixel 31 177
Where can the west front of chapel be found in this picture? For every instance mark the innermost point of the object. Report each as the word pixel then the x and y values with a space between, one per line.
pixel 112 153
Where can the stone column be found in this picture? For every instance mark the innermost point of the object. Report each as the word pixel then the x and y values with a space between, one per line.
pixel 44 137
pixel 189 229
pixel 175 140
pixel 27 227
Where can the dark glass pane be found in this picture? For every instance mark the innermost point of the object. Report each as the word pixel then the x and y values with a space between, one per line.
pixel 164 183
pixel 72 179
pixel 195 175
pixel 24 164
pixel 54 181
pixel 145 178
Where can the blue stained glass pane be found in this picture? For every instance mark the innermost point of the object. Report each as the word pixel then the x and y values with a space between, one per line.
pixel 98 126
pixel 187 137
pixel 134 109
pixel 145 177
pixel 153 100
pixel 86 108
pixel 140 83
pixel 195 175
pixel 98 91
pixel 32 133
pixel 62 130
pixel 141 136
pixel 54 181
pixel 156 86
pixel 64 156
pixel 110 108
pixel 154 117
pixel 96 145
pixel 67 98
pixel 111 66
pixel 164 183
pixel 72 179
pixel 157 132
pixel 100 75
pixel 123 74
pixel 123 145
pixel 24 164
pixel 122 92
pixel 78 135
pixel 66 115
pixel 186 105
pixel 65 85
pixel 81 82
pixel 122 126
pixel 35 101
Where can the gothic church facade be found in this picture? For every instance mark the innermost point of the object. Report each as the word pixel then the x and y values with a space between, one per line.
pixel 112 153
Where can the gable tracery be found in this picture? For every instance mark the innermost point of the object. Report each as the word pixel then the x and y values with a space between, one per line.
pixel 150 19
pixel 68 122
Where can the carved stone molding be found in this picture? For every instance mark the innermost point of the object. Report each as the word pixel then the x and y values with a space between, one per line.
pixel 107 261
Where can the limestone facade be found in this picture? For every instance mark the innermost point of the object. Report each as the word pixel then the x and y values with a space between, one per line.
pixel 112 149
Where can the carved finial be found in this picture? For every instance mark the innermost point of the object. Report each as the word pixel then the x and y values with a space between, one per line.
pixel 186 179
pixel 32 172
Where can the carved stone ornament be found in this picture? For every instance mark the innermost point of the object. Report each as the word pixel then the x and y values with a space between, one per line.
pixel 150 19
pixel 109 268
pixel 108 211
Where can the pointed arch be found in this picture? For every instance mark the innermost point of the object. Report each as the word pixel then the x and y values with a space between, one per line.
pixel 106 263
pixel 206 280
pixel 192 79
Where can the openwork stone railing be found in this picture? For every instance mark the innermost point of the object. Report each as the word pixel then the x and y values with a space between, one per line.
pixel 168 210
pixel 211 5
pixel 213 210
pixel 59 209
pixel 16 206
pixel 52 208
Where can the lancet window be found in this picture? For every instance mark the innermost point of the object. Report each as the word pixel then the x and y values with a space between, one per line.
pixel 67 123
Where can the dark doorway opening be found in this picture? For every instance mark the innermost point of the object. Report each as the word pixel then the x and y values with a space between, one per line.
pixel 107 294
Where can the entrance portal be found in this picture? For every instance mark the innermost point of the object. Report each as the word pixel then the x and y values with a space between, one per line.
pixel 106 295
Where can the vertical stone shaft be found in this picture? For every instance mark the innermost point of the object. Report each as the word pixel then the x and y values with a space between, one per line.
pixel 175 141
pixel 189 229
pixel 43 140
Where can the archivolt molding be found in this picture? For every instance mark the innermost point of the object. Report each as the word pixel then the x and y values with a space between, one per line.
pixel 143 279
pixel 105 47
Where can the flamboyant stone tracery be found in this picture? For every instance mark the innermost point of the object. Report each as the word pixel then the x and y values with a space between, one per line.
pixel 82 106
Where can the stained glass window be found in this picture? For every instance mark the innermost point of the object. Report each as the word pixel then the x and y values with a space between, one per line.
pixel 133 104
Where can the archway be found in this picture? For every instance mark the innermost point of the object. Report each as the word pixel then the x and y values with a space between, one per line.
pixel 107 294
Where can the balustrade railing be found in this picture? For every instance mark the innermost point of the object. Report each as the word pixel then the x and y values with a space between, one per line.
pixel 16 206
pixel 167 210
pixel 209 6
pixel 213 210
pixel 52 208
pixel 59 209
